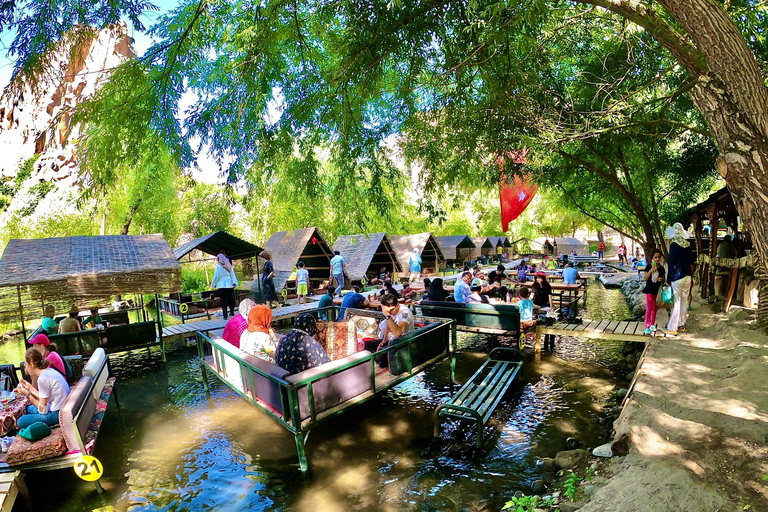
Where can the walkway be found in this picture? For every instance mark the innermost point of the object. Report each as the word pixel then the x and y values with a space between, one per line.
pixel 624 331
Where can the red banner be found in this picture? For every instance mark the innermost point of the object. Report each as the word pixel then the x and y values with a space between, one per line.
pixel 515 194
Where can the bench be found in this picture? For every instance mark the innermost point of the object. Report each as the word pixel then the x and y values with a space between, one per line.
pixel 479 396
pixel 583 259
pixel 501 319
pixel 122 338
pixel 79 342
pixel 80 420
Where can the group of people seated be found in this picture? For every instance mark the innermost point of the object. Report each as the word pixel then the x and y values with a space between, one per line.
pixel 72 323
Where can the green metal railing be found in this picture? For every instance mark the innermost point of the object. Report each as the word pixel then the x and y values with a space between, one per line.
pixel 439 331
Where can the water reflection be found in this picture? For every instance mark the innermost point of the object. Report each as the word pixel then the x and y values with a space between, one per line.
pixel 172 448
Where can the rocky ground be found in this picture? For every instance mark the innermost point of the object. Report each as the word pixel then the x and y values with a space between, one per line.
pixel 693 432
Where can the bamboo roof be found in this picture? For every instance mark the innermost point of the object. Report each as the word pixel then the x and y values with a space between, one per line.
pixel 365 252
pixel 212 243
pixel 82 269
pixel 499 240
pixel 424 243
pixel 290 247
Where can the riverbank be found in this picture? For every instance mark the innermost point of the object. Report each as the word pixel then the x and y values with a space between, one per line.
pixel 696 421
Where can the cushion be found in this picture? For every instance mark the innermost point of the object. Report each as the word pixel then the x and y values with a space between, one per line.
pixel 77 395
pixel 339 339
pixel 35 431
pixel 95 362
pixel 101 407
pixel 22 451
pixel 366 326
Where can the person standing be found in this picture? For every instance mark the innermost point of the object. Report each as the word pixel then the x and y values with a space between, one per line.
pixel 225 282
pixel 621 254
pixel 654 277
pixel 679 275
pixel 338 264
pixel 600 250
pixel 499 252
pixel 302 283
pixel 268 280
pixel 415 265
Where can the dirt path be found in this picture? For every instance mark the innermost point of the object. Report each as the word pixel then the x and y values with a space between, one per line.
pixel 698 423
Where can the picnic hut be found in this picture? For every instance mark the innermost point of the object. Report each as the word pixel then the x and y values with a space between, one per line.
pixel 87 272
pixel 456 249
pixel 290 247
pixel 237 248
pixel 367 254
pixel 432 257
pixel 484 248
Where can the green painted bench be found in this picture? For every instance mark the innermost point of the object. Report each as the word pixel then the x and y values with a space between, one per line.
pixel 479 396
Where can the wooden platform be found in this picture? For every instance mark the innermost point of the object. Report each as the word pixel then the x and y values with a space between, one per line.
pixel 609 330
pixel 189 328
pixel 11 487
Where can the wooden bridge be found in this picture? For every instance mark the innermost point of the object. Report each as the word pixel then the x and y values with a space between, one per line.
pixel 610 330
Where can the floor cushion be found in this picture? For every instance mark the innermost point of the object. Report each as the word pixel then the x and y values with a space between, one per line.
pixel 340 340
pixel 22 451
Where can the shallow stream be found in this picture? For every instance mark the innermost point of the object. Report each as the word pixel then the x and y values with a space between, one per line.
pixel 170 447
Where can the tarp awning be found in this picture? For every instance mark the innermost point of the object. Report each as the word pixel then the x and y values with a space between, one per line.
pixel 236 248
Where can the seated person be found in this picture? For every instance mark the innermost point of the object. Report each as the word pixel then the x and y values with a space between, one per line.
pixel 727 249
pixel 238 323
pixel 427 283
pixel 353 299
pixel 398 319
pixel 326 301
pixel 48 397
pixel 389 288
pixel 258 337
pixel 298 351
pixel 549 263
pixel 570 274
pixel 94 318
pixel 71 323
pixel 476 297
pixel 49 324
pixel 49 353
pixel 461 290
pixel 407 291
pixel 503 294
pixel 542 292
pixel 498 275
pixel 436 291
pixel 380 278
pixel 525 305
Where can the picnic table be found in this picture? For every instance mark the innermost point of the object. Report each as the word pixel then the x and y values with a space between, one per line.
pixel 9 417
pixel 419 287
pixel 563 293
pixel 375 304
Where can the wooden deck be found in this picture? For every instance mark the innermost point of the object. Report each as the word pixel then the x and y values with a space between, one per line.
pixel 610 330
pixel 11 487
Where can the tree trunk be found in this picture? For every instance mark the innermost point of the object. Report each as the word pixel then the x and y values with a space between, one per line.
pixel 601 237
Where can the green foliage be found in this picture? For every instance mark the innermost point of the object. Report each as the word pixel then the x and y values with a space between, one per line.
pixel 25 170
pixel 527 503
pixel 571 485
pixel 193 279
pixel 38 192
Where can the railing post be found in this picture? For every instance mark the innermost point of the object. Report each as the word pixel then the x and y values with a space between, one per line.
pixel 452 350
pixel 201 355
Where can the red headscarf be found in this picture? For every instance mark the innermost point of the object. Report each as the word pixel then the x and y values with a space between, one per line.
pixel 260 319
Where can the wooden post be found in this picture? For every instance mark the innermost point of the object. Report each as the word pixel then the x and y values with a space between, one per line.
pixel 21 313
pixel 713 249
pixel 731 289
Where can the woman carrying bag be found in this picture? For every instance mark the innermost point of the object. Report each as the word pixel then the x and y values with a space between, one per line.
pixel 679 275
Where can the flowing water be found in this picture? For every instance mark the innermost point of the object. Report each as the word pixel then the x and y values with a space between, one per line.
pixel 170 447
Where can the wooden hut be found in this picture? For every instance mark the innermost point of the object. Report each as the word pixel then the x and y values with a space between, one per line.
pixel 432 257
pixel 456 249
pixel 484 248
pixel 290 247
pixel 86 271
pixel 367 254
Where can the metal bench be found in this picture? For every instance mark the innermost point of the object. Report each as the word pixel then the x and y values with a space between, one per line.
pixel 479 396
pixel 586 258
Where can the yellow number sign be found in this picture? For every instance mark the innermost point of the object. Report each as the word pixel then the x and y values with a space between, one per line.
pixel 88 468
pixel 184 308
pixel 284 293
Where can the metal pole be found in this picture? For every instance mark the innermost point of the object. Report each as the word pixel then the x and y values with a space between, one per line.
pixel 21 314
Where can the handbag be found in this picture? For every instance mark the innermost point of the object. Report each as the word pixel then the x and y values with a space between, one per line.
pixel 665 298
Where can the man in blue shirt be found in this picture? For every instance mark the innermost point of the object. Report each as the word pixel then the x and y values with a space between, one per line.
pixel 353 299
pixel 415 264
pixel 462 291
pixel 570 274
pixel 338 263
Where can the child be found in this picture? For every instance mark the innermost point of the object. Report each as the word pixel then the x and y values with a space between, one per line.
pixel 525 305
pixel 302 283
pixel 653 275
pixel 521 273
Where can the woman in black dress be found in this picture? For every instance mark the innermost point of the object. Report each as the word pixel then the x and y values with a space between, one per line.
pixel 436 291
pixel 542 291
pixel 268 281
pixel 298 351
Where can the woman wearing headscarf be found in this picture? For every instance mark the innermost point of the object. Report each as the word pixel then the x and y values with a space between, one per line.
pixel 299 351
pixel 679 275
pixel 436 290
pixel 258 338
pixel 238 323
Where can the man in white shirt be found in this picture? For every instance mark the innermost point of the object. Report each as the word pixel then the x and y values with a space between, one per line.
pixel 398 319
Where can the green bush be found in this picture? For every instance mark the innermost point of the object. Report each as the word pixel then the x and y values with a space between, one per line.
pixel 193 279
pixel 25 170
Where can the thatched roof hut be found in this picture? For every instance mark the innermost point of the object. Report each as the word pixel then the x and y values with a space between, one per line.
pixel 367 253
pixel 290 247
pixel 456 248
pixel 83 270
pixel 483 247
pixel 499 240
pixel 426 245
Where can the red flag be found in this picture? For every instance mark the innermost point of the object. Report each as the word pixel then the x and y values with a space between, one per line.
pixel 515 194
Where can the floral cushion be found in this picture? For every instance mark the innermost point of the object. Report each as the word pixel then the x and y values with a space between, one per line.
pixel 22 451
pixel 101 406
pixel 339 339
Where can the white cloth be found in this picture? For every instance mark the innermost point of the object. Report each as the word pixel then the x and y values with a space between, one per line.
pixel 258 344
pixel 679 312
pixel 52 385
pixel 223 278
pixel 224 261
